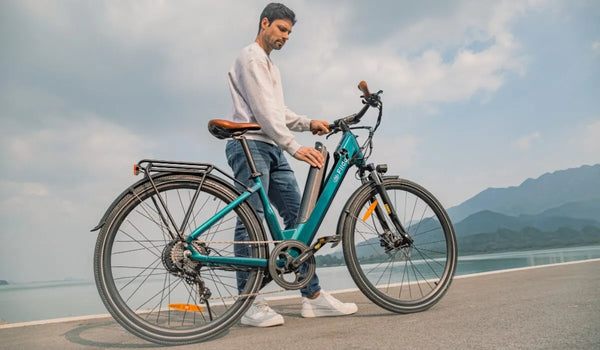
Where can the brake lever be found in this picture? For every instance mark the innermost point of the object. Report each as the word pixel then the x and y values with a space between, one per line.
pixel 333 131
pixel 373 100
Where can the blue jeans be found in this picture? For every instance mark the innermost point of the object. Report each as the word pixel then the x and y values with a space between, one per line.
pixel 280 184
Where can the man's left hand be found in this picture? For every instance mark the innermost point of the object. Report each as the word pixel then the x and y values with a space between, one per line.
pixel 319 127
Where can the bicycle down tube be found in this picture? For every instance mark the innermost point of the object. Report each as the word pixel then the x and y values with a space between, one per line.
pixel 348 152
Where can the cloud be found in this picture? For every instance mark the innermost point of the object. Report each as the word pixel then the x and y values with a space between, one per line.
pixel 138 62
pixel 596 46
pixel 447 57
pixel 55 183
pixel 582 144
pixel 90 87
pixel 29 189
pixel 441 58
pixel 82 145
pixel 524 143
pixel 590 140
pixel 399 153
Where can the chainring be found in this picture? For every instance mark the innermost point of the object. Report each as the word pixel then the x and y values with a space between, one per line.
pixel 280 265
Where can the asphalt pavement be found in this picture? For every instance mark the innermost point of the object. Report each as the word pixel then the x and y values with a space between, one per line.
pixel 551 307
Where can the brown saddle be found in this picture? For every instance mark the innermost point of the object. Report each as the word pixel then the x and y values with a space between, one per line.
pixel 224 129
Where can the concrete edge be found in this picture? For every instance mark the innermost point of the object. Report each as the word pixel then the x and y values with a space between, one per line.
pixel 525 268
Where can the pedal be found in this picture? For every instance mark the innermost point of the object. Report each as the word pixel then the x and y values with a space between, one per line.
pixel 335 240
pixel 324 240
pixel 315 247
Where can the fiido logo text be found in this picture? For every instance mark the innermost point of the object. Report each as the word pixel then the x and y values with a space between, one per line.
pixel 340 169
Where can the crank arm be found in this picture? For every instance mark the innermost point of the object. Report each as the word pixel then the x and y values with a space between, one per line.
pixel 305 255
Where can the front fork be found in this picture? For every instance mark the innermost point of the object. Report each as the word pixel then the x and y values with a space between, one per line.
pixel 389 240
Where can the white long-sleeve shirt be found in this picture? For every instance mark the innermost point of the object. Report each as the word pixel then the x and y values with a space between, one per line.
pixel 255 85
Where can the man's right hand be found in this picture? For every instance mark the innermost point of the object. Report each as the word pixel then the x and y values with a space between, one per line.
pixel 310 155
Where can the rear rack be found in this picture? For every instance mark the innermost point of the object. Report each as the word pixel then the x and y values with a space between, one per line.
pixel 149 166
pixel 162 166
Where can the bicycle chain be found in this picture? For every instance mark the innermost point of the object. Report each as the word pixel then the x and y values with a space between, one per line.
pixel 249 294
pixel 238 242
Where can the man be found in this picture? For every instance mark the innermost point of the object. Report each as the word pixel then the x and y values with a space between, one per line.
pixel 257 94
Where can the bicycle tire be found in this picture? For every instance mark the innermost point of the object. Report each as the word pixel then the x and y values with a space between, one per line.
pixel 130 269
pixel 385 278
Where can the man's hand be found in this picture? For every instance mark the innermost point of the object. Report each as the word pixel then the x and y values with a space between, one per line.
pixel 310 155
pixel 319 127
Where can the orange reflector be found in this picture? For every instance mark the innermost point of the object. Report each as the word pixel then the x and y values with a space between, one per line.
pixel 186 307
pixel 136 169
pixel 370 210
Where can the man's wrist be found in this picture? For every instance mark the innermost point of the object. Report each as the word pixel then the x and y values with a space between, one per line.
pixel 293 148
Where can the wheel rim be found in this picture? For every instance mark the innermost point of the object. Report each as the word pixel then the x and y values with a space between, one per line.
pixel 409 277
pixel 137 282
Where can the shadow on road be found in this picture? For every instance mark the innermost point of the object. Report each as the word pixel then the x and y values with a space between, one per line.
pixel 102 331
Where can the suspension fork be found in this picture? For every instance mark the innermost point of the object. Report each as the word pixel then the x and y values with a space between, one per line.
pixel 387 204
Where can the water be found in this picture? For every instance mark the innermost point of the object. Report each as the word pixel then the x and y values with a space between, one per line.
pixel 40 301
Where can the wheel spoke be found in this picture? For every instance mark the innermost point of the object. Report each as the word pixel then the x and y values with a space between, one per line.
pixel 398 276
pixel 146 275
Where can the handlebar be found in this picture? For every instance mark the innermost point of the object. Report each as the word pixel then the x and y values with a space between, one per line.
pixel 369 100
pixel 349 120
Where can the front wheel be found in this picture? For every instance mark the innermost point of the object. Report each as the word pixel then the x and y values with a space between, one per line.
pixel 402 278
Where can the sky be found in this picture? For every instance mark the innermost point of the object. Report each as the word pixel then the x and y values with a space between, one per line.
pixel 477 94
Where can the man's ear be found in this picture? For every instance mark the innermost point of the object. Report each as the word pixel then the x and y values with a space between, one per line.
pixel 264 23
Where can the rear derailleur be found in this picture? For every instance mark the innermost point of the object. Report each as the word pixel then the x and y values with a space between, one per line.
pixel 176 259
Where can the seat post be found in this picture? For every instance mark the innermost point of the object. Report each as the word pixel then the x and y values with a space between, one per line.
pixel 253 172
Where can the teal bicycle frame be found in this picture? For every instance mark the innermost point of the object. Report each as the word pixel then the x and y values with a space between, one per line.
pixel 348 153
pixel 169 267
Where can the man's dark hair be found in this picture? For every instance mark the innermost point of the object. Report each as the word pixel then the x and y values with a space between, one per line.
pixel 275 11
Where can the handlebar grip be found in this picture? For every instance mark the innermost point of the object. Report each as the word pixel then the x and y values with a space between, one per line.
pixel 351 119
pixel 362 86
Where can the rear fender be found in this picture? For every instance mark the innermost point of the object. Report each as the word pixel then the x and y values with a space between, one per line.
pixel 143 181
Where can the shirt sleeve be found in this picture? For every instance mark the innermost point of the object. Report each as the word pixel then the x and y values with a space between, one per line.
pixel 255 80
pixel 296 122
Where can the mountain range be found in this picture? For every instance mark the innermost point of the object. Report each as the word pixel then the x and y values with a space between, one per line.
pixel 572 187
pixel 555 210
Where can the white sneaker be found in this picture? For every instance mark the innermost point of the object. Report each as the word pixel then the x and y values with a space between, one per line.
pixel 326 305
pixel 261 315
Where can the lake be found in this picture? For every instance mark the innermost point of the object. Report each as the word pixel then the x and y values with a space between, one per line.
pixel 48 300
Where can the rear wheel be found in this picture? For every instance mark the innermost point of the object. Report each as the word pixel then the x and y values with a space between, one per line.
pixel 143 271
pixel 403 279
